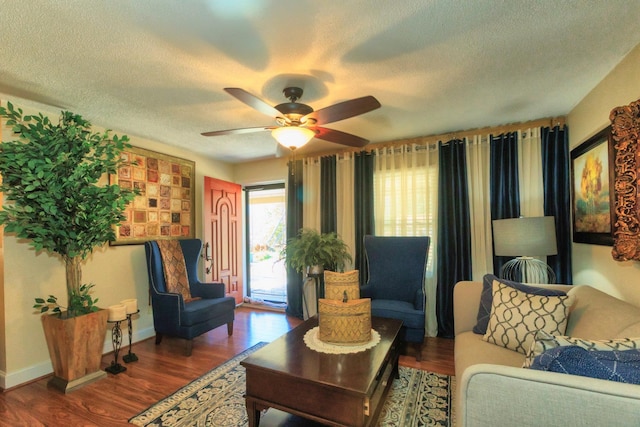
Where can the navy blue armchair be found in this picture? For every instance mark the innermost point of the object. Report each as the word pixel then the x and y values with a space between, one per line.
pixel 396 278
pixel 172 315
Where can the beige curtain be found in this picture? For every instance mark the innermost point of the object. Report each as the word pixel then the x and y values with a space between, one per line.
pixel 531 182
pixel 310 219
pixel 344 203
pixel 478 165
pixel 406 204
pixel 311 193
pixel 530 172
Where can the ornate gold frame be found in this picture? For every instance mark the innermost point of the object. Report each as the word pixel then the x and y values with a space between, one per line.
pixel 625 130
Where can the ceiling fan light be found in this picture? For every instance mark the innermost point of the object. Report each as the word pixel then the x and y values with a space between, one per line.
pixel 293 136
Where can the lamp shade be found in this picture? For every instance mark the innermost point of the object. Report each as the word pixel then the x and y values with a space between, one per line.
pixel 293 136
pixel 532 236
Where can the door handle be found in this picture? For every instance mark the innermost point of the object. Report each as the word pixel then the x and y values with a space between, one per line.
pixel 207 252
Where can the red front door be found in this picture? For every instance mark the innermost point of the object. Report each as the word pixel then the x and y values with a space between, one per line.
pixel 223 233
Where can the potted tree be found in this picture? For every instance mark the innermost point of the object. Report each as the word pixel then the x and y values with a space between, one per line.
pixel 56 198
pixel 313 251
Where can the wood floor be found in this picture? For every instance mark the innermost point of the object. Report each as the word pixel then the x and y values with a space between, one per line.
pixel 163 369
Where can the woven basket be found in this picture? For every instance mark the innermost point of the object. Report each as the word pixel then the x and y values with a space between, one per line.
pixel 335 285
pixel 346 323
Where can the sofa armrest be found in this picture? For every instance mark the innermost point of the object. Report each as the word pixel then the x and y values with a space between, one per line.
pixel 466 300
pixel 493 395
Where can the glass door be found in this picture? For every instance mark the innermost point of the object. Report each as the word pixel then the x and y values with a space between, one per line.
pixel 266 236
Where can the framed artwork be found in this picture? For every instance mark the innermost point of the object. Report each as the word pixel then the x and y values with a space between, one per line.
pixel 625 134
pixel 164 207
pixel 592 177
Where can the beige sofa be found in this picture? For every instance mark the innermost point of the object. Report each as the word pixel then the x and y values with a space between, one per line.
pixel 494 389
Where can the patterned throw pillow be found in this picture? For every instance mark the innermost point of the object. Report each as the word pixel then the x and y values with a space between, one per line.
pixel 516 316
pixel 175 270
pixel 487 296
pixel 544 341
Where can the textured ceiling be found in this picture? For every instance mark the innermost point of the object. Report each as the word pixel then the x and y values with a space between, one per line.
pixel 157 68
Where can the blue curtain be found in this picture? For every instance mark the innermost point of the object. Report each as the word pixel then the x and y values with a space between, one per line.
pixel 503 183
pixel 557 196
pixel 363 208
pixel 294 223
pixel 328 209
pixel 454 234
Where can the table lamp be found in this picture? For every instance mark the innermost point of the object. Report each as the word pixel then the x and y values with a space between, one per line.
pixel 524 238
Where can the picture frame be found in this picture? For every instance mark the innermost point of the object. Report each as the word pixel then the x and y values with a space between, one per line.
pixel 165 206
pixel 592 183
pixel 625 128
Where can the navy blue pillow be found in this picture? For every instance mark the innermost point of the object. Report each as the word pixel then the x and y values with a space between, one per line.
pixel 486 298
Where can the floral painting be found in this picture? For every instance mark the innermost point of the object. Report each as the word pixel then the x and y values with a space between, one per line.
pixel 592 204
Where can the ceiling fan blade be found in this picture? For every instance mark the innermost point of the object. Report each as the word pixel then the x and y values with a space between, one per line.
pixel 252 101
pixel 343 110
pixel 339 137
pixel 237 131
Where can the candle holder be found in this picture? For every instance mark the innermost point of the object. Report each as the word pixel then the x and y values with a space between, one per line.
pixel 116 338
pixel 130 357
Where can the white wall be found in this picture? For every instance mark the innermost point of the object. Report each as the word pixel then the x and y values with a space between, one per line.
pixel 119 272
pixel 593 264
pixel 261 172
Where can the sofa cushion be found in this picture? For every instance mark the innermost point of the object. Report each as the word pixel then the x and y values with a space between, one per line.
pixel 600 316
pixel 544 342
pixel 613 365
pixel 471 349
pixel 486 297
pixel 516 316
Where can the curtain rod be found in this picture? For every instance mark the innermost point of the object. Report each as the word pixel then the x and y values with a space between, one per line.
pixel 433 139
pixel 494 130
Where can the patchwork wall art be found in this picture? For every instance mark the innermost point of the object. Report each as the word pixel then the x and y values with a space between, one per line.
pixel 164 207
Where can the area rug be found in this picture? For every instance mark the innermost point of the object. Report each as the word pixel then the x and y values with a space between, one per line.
pixel 216 399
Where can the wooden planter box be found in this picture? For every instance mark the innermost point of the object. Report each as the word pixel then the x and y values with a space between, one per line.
pixel 75 347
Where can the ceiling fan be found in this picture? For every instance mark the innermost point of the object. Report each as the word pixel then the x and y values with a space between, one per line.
pixel 298 123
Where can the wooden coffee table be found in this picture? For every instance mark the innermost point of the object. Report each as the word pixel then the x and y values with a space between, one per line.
pixel 334 389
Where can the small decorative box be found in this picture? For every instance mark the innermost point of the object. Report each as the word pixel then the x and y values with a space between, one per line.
pixel 347 323
pixel 335 284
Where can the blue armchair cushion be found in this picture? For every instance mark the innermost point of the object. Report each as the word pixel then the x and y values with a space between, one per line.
pixel 198 311
pixel 401 310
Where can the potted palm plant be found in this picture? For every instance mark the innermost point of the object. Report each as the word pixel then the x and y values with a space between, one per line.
pixel 55 196
pixel 310 250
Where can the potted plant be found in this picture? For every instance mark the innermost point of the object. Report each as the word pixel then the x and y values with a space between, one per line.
pixel 310 249
pixel 56 198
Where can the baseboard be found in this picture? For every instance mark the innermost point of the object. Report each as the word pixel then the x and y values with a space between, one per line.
pixel 31 373
pixel 25 375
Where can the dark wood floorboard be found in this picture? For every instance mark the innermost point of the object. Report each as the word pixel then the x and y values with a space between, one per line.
pixel 162 369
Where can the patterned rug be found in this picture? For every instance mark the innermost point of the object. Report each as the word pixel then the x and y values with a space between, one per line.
pixel 417 398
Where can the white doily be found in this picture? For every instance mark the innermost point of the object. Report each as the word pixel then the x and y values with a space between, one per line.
pixel 312 340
